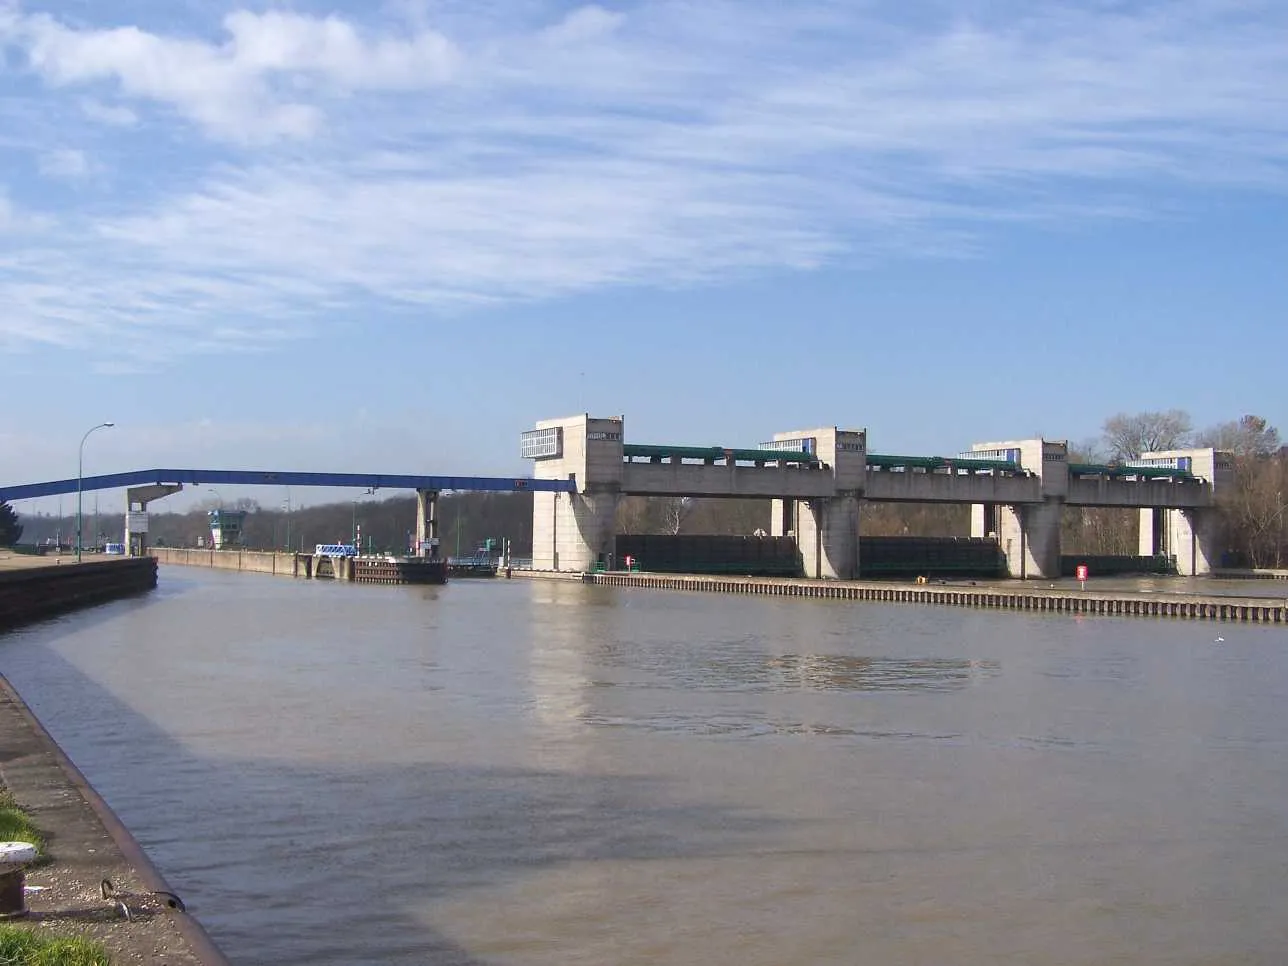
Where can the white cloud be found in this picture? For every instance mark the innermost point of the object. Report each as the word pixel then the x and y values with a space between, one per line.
pixel 499 157
pixel 582 25
pixel 111 114
pixel 65 164
pixel 15 221
pixel 332 49
pixel 229 88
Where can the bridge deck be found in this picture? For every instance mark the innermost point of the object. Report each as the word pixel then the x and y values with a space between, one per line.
pixel 725 479
pixel 955 487
pixel 373 481
pixel 1160 493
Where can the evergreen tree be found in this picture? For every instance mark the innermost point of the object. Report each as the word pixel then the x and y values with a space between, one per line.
pixel 10 529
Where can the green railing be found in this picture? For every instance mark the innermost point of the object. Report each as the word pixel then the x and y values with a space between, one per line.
pixel 716 454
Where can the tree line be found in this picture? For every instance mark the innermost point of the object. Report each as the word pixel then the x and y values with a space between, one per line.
pixel 466 520
pixel 1253 510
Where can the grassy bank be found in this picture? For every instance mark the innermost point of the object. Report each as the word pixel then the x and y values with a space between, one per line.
pixel 20 946
pixel 17 826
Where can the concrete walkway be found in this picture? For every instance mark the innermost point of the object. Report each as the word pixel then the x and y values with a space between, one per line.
pixel 65 894
pixel 20 561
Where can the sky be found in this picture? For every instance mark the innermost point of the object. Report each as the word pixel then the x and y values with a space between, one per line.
pixel 389 237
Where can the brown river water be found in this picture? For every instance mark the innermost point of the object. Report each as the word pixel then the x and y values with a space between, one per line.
pixel 515 773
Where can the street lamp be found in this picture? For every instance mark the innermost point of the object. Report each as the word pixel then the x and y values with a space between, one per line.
pixel 218 496
pixel 286 505
pixel 353 526
pixel 80 473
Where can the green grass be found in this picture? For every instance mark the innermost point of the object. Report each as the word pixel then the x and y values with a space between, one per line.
pixel 16 826
pixel 22 947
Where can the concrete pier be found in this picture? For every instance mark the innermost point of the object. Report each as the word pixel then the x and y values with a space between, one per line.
pixel 827 528
pixel 1029 532
pixel 574 531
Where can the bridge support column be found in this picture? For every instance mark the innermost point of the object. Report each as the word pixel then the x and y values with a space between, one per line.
pixel 782 518
pixel 1153 532
pixel 1194 538
pixel 827 535
pixel 1030 538
pixel 427 523
pixel 573 531
pixel 137 499
pixel 983 520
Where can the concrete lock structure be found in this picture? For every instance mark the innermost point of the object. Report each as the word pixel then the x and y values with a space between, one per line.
pixel 574 531
pixel 818 480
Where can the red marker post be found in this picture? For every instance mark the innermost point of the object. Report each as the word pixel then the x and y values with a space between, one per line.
pixel 1082 575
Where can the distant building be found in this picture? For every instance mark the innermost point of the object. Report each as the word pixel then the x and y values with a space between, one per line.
pixel 226 527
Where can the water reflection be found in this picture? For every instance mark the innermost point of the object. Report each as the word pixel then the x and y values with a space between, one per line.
pixel 838 672
pixel 743 724
pixel 1115 669
pixel 747 670
pixel 561 628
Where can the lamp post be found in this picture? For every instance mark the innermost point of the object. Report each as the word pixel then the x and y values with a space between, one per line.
pixel 286 505
pixel 80 473
pixel 369 491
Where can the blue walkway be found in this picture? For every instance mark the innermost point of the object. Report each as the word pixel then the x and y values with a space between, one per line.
pixel 372 481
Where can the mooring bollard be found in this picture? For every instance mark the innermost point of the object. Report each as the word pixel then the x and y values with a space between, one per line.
pixel 14 859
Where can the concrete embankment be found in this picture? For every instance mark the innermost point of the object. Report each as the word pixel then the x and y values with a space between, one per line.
pixel 250 561
pixel 138 918
pixel 1260 610
pixel 362 570
pixel 30 591
pixel 1260 573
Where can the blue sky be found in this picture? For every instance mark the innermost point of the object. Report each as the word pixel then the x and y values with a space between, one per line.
pixel 389 237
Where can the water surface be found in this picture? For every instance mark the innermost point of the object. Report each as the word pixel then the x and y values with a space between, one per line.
pixel 545 773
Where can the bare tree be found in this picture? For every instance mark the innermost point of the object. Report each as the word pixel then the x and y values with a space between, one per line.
pixel 915 520
pixel 1087 451
pixel 1128 435
pixel 1249 436
pixel 1255 509
pixel 1099 530
pixel 633 515
pixel 727 516
pixel 675 510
